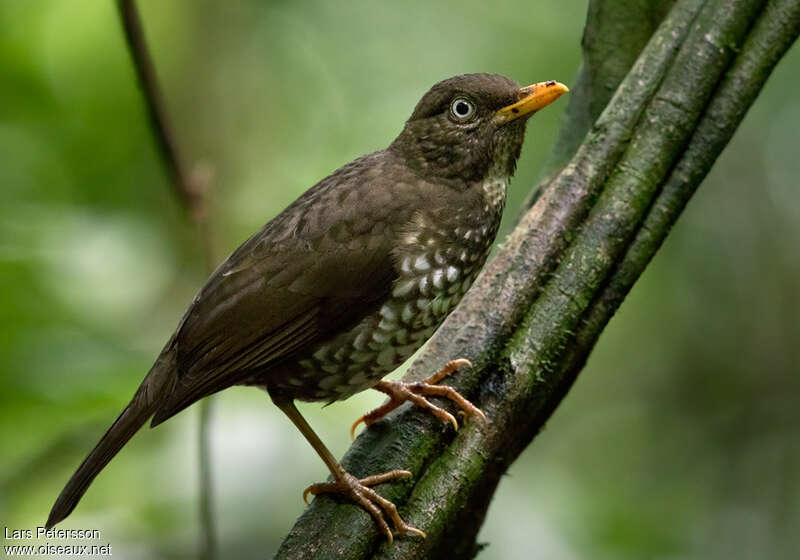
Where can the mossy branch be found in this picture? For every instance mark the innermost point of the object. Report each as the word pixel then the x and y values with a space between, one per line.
pixel 538 308
pixel 614 36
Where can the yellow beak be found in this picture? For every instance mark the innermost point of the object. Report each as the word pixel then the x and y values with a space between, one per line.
pixel 534 97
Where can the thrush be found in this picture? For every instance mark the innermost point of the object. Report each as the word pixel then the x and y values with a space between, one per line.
pixel 347 282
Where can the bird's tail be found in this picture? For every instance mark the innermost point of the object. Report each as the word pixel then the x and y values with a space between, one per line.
pixel 156 386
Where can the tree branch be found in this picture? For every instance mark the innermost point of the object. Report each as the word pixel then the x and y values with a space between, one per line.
pixel 192 190
pixel 774 32
pixel 536 311
pixel 614 35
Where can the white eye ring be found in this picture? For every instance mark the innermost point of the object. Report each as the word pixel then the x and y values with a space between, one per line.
pixel 462 108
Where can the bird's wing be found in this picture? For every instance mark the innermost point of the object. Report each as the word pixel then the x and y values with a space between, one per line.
pixel 317 268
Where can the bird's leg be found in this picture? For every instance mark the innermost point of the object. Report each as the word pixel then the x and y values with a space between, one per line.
pixel 401 391
pixel 359 491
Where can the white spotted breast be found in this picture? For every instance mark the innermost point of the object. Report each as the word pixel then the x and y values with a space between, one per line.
pixel 437 258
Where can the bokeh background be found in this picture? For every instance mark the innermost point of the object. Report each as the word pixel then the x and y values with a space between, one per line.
pixel 679 440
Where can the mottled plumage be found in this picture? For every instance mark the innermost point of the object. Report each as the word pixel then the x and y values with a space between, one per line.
pixel 348 281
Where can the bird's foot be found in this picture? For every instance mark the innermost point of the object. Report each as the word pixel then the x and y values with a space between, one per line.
pixel 359 491
pixel 401 391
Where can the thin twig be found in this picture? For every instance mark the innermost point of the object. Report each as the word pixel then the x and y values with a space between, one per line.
pixel 191 188
pixel 145 71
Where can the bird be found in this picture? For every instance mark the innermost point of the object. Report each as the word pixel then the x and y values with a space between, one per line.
pixel 347 282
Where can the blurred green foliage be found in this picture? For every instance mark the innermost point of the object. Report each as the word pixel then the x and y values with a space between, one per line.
pixel 680 438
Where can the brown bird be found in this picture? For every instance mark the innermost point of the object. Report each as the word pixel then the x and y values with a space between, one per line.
pixel 347 282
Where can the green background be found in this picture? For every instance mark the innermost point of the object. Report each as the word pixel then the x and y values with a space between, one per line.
pixel 679 440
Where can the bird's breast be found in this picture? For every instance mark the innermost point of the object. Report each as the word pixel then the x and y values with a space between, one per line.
pixel 437 257
pixel 494 195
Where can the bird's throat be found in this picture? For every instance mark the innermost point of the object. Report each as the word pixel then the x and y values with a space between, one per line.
pixel 494 194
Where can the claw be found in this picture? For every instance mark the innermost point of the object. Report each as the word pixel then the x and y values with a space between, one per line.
pixel 354 426
pixel 360 492
pixel 448 368
pixel 399 392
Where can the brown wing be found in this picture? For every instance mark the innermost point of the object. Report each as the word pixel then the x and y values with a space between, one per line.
pixel 318 267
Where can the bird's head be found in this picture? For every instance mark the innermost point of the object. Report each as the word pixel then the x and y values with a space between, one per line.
pixel 470 128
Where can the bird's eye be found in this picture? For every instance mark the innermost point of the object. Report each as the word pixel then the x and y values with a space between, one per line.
pixel 462 109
